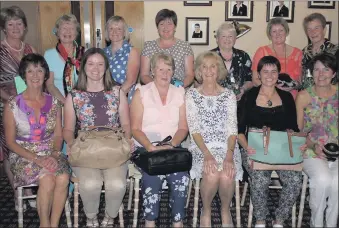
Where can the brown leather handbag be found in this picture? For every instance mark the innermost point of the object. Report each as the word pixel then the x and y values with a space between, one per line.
pixel 104 149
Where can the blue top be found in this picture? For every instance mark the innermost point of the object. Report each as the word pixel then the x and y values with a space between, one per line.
pixel 57 64
pixel 118 64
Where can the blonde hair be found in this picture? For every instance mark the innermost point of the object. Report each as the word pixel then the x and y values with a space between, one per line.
pixel 67 18
pixel 117 19
pixel 222 71
pixel 168 60
pixel 226 27
pixel 277 21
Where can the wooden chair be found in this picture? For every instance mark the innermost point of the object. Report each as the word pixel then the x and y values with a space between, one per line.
pixel 196 201
pixel 21 198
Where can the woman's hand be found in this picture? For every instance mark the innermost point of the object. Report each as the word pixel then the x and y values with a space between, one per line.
pixel 131 144
pixel 228 167
pixel 239 96
pixel 250 150
pixel 210 164
pixel 318 149
pixel 47 162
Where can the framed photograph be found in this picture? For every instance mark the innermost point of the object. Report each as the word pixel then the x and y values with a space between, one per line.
pixel 239 10
pixel 321 4
pixel 197 3
pixel 197 30
pixel 284 9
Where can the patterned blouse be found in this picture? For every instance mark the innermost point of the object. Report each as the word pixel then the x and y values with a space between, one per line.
pixel 308 55
pixel 97 108
pixel 321 119
pixel 240 71
pixel 118 64
pixel 178 51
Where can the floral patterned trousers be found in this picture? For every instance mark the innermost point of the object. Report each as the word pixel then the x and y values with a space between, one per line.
pixel 151 190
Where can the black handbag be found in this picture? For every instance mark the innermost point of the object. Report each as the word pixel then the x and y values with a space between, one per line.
pixel 162 162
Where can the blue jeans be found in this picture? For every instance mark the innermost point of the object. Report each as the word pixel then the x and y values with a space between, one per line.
pixel 151 190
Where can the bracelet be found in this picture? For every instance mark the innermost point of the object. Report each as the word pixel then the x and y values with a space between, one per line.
pixel 232 150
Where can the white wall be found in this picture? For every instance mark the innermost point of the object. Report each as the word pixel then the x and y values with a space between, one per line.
pixel 216 13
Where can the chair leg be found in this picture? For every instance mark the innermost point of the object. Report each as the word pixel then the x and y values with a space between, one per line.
pixel 294 208
pixel 196 202
pixel 136 202
pixel 237 203
pixel 68 213
pixel 121 215
pixel 76 204
pixel 250 215
pixel 20 207
pixel 302 200
pixel 189 193
pixel 130 194
pixel 244 192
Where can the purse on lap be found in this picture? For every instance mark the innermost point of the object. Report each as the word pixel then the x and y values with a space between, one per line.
pixel 276 150
pixel 162 162
pixel 104 149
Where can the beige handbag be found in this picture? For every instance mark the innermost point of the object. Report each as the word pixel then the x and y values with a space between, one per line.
pixel 104 149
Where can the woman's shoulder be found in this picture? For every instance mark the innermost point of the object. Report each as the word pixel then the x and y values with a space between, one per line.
pixel 150 43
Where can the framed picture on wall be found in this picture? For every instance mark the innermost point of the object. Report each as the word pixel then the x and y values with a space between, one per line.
pixel 239 10
pixel 197 3
pixel 197 30
pixel 321 4
pixel 284 9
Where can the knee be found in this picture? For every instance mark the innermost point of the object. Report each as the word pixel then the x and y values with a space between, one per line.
pixel 226 179
pixel 62 181
pixel 115 184
pixel 90 184
pixel 321 181
pixel 47 183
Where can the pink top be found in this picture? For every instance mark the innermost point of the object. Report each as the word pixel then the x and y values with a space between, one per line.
pixel 291 65
pixel 160 121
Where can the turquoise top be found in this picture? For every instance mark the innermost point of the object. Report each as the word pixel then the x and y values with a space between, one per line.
pixel 56 65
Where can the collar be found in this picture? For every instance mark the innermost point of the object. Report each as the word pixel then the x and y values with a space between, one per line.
pixel 322 47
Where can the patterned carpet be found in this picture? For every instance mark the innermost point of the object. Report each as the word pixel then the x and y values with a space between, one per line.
pixel 8 215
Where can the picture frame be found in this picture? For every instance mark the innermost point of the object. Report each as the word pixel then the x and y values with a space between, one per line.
pixel 284 9
pixel 321 4
pixel 197 3
pixel 244 11
pixel 197 30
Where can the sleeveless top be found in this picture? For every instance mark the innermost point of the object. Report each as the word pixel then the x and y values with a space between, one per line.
pixel 321 117
pixel 160 121
pixel 97 108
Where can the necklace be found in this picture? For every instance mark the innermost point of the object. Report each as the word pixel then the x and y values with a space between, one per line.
pixel 20 50
pixel 285 54
pixel 269 101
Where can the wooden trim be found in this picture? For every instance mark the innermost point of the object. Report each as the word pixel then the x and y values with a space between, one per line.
pixel 75 10
pixel 103 23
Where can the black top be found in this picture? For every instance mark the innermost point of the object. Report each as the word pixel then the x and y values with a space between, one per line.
pixel 197 34
pixel 242 10
pixel 282 13
pixel 279 118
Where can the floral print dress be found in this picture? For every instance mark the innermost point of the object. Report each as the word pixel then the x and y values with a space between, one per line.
pixel 35 136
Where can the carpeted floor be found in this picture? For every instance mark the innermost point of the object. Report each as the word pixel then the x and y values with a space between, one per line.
pixel 8 215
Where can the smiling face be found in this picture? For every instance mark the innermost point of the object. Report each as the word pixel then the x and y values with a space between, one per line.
pixel 209 69
pixel 116 31
pixel 163 73
pixel 269 75
pixel 35 76
pixel 67 32
pixel 278 34
pixel 166 29
pixel 226 39
pixel 322 75
pixel 95 68
pixel 15 28
pixel 315 31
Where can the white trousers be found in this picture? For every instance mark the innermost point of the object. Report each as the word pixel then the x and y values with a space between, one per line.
pixel 323 178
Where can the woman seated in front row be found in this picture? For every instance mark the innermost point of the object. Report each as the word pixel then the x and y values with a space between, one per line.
pixel 97 101
pixel 212 121
pixel 33 133
pixel 157 111
pixel 267 105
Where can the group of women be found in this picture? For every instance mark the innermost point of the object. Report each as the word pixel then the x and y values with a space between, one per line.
pixel 231 93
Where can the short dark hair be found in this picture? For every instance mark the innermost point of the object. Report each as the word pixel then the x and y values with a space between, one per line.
pixel 35 59
pixel 268 60
pixel 81 84
pixel 12 12
pixel 327 59
pixel 197 24
pixel 312 17
pixel 166 14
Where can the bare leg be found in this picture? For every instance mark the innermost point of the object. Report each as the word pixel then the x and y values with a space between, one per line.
pixel 45 199
pixel 226 192
pixel 59 199
pixel 209 187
